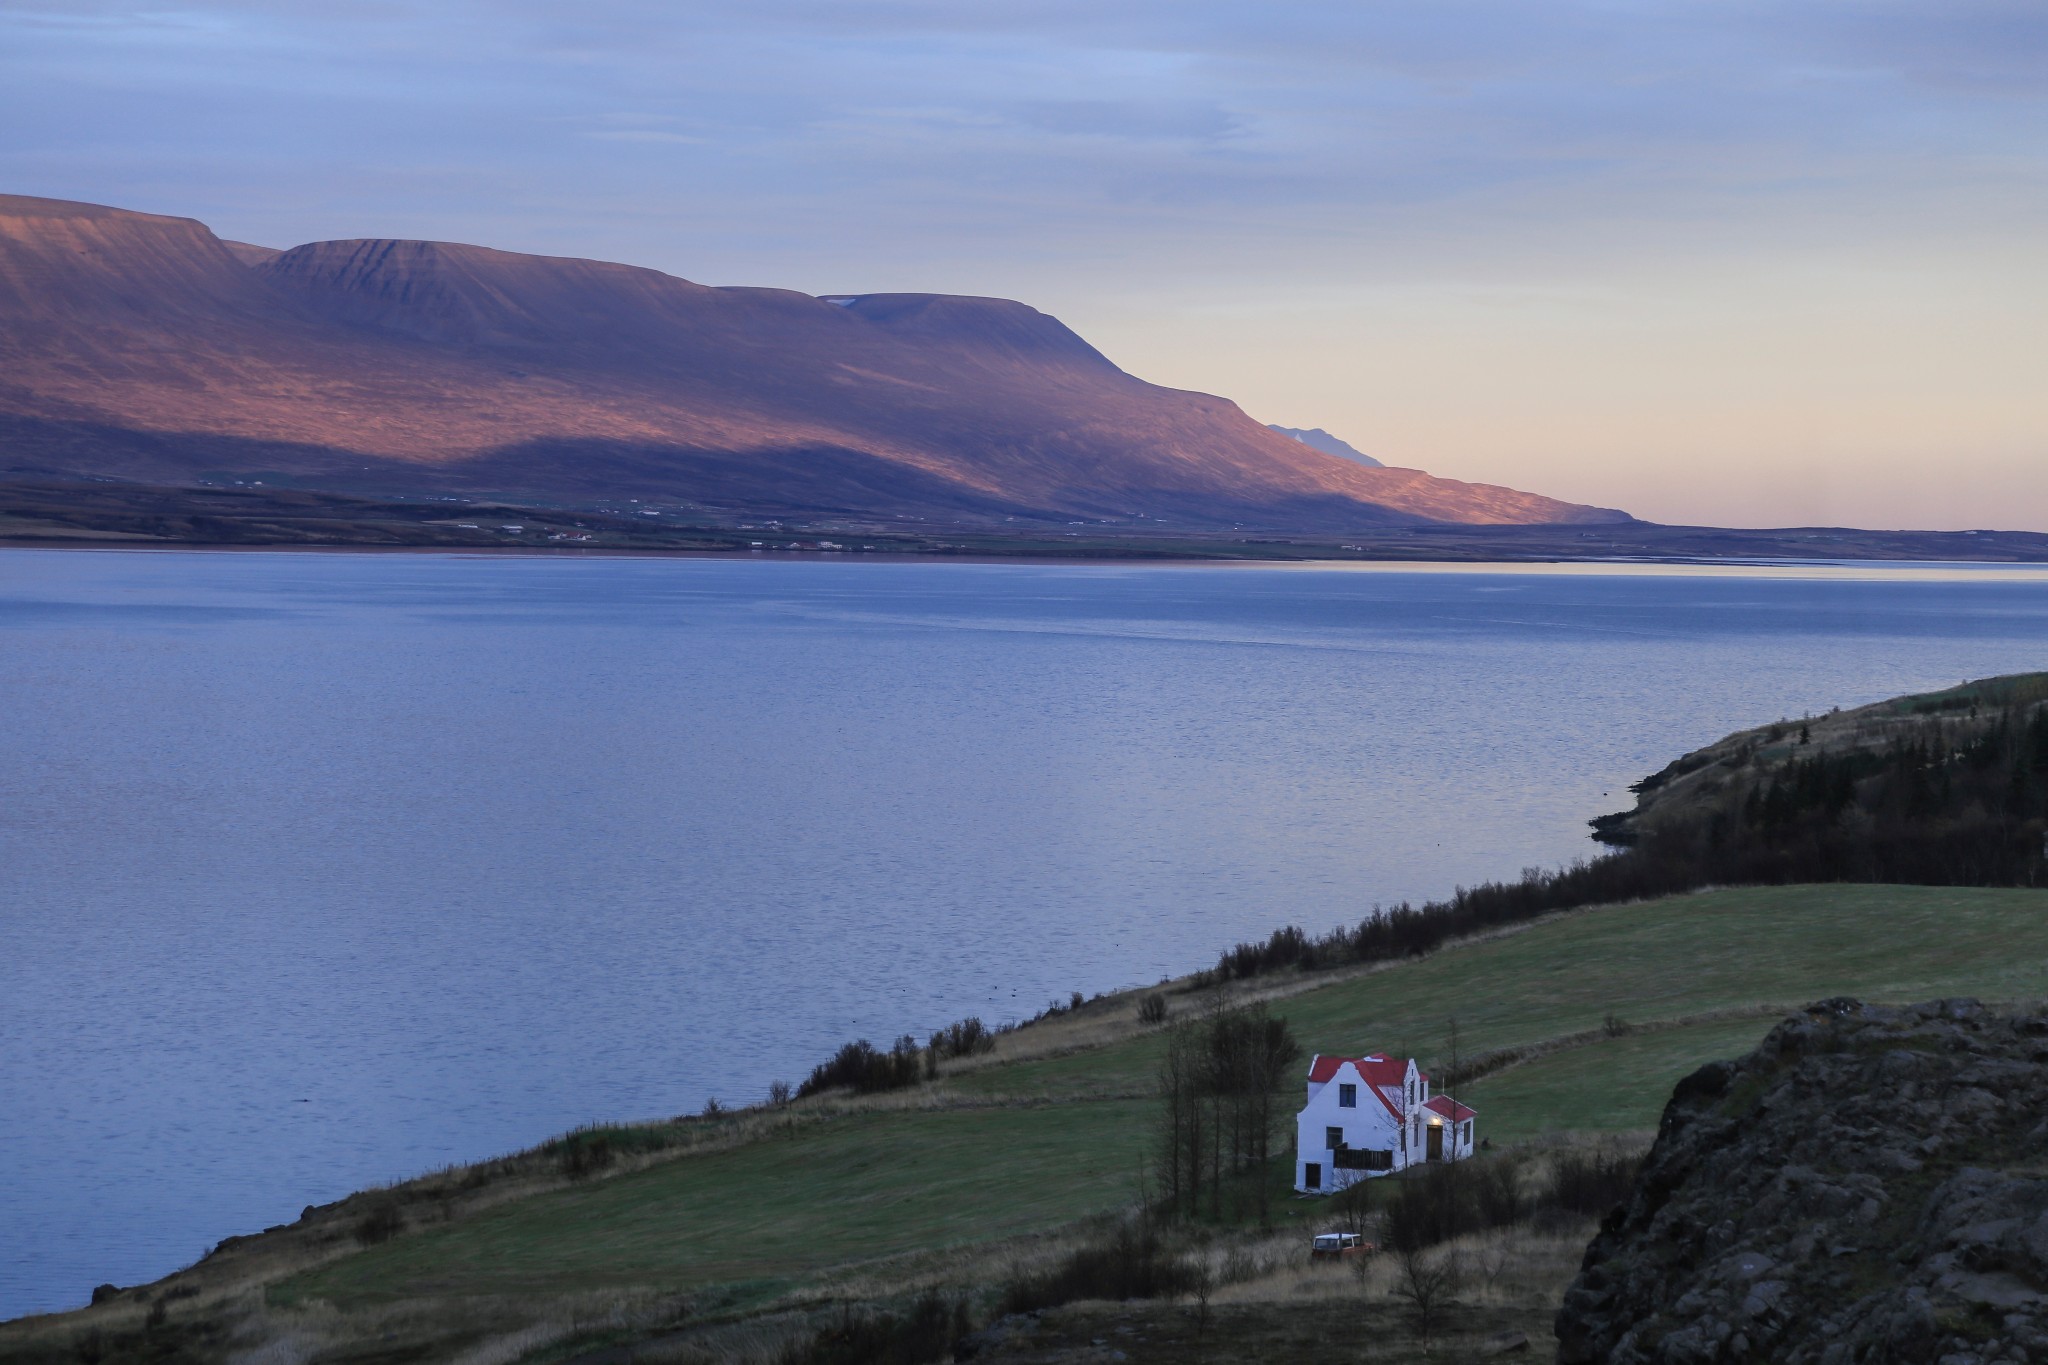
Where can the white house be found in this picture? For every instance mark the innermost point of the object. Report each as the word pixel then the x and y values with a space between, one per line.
pixel 1370 1116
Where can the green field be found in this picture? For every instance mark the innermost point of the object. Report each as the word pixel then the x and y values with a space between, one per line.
pixel 861 1188
pixel 849 1190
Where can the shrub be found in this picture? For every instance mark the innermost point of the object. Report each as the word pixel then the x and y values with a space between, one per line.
pixel 1132 1263
pixel 778 1093
pixel 380 1224
pixel 1434 1207
pixel 582 1153
pixel 926 1333
pixel 1591 1183
pixel 866 1070
pixel 967 1038
pixel 1152 1009
pixel 1497 1191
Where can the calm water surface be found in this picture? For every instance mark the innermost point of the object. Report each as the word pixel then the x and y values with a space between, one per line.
pixel 318 870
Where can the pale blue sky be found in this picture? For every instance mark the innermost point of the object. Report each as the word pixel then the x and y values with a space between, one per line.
pixel 1743 262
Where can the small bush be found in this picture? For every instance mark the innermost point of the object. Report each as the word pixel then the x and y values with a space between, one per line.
pixel 866 1070
pixel 926 1333
pixel 778 1093
pixel 587 1151
pixel 1591 1183
pixel 1497 1190
pixel 380 1224
pixel 1133 1263
pixel 967 1038
pixel 1432 1208
pixel 1152 1009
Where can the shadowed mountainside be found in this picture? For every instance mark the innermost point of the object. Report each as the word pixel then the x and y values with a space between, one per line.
pixel 144 348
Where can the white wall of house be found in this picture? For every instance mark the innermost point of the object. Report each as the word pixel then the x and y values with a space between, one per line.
pixel 1365 1125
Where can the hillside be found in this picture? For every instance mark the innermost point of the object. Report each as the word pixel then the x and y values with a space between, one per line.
pixel 1579 1024
pixel 146 349
pixel 1944 787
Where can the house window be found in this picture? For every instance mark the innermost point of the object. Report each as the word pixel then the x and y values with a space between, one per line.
pixel 1312 1175
pixel 1347 1097
pixel 1333 1138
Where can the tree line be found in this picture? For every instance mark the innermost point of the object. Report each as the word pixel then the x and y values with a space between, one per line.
pixel 1219 1080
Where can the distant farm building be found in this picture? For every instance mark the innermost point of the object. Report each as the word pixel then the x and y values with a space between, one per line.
pixel 1370 1116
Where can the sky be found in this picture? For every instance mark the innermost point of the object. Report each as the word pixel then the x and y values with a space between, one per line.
pixel 1780 262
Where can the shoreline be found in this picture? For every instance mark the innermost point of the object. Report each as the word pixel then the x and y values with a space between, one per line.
pixel 1978 570
pixel 60 515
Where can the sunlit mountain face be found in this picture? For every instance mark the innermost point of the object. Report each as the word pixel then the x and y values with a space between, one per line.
pixel 145 347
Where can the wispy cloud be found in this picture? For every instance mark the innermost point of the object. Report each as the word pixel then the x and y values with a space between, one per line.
pixel 1108 159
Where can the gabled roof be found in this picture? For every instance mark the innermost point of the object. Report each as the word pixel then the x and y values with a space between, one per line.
pixel 1381 1074
pixel 1449 1108
pixel 1376 1067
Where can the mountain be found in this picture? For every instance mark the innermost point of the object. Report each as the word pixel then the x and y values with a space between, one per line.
pixel 140 347
pixel 1315 438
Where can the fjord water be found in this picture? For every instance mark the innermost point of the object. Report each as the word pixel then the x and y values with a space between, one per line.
pixel 320 870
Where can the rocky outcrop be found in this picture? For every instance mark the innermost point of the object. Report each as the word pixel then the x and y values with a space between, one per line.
pixel 1871 1185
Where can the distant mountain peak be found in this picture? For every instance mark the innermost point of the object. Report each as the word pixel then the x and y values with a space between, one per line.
pixel 1315 438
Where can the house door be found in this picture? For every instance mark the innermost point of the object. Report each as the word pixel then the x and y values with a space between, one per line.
pixel 1436 1142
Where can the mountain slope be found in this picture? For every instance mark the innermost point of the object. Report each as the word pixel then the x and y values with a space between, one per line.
pixel 144 347
pixel 1315 438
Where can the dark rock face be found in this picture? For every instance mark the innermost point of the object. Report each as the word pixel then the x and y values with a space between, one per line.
pixel 1871 1185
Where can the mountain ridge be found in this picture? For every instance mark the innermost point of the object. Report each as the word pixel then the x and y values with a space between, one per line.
pixel 144 347
pixel 1315 438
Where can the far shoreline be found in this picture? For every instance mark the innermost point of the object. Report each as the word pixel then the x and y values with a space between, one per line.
pixel 1817 568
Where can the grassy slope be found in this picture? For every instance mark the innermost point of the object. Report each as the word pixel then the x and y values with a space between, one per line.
pixel 868 1186
pixel 890 1183
pixel 1681 956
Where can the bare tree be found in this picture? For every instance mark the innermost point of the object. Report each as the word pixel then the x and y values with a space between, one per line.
pixel 1353 1206
pixel 1202 1279
pixel 1217 1085
pixel 1429 1283
pixel 1493 1262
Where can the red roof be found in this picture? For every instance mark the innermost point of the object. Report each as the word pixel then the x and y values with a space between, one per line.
pixel 1380 1072
pixel 1449 1108
pixel 1377 1068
